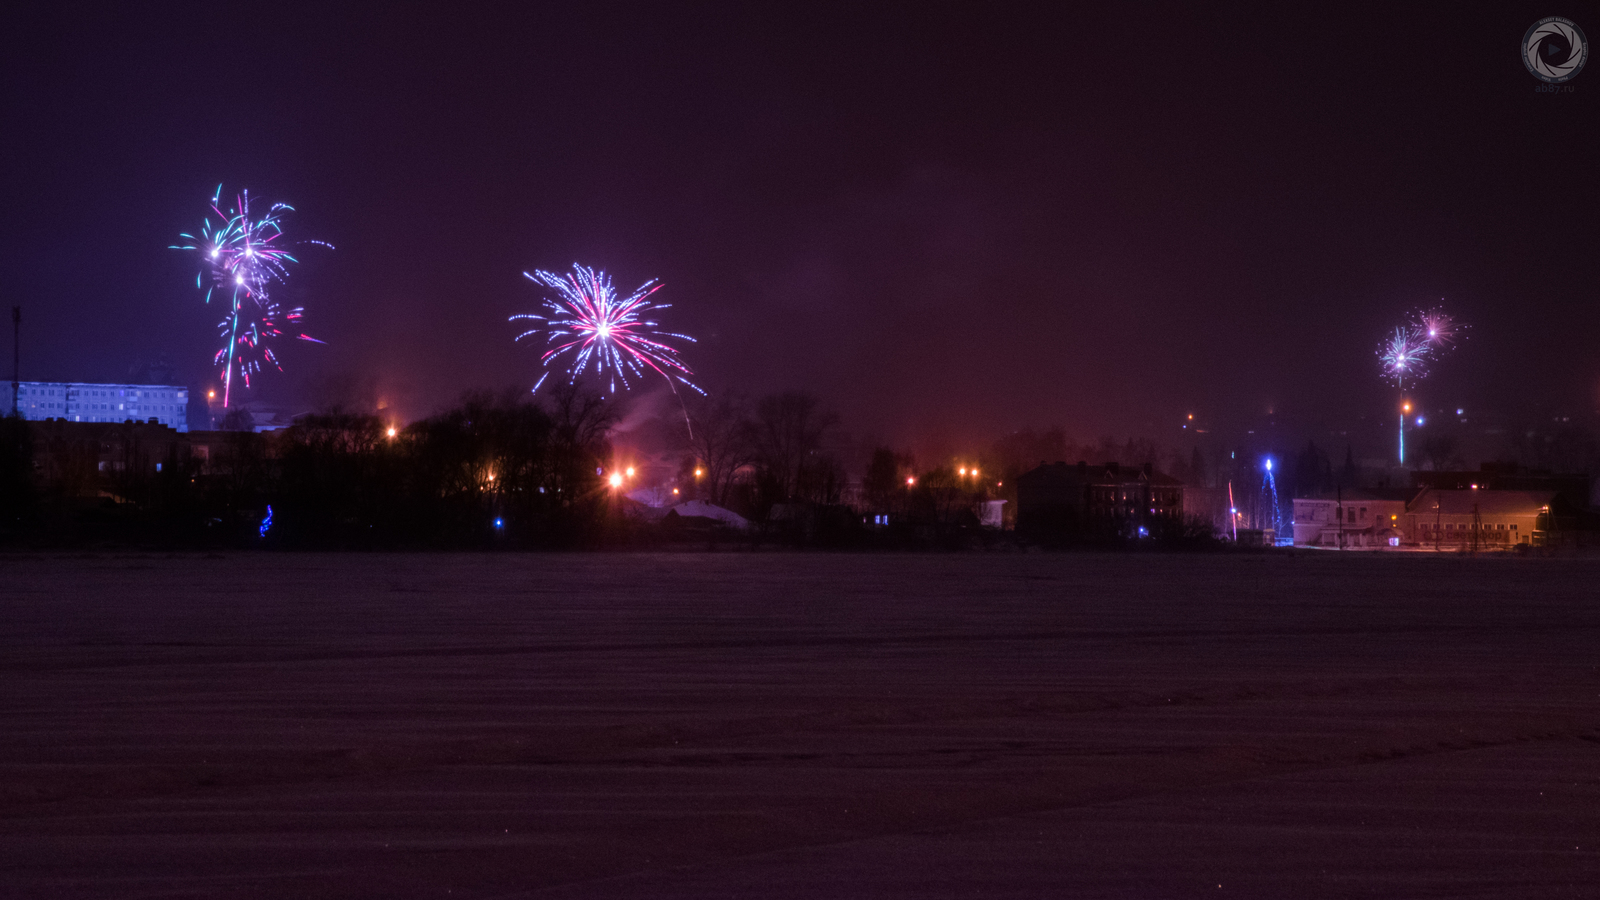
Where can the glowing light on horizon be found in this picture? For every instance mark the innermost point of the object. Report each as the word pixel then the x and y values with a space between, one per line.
pixel 589 328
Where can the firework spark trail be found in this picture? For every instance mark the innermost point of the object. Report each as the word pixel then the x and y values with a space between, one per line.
pixel 589 328
pixel 243 256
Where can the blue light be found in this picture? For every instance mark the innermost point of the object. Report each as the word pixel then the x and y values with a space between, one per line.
pixel 1269 465
pixel 499 523
pixel 266 523
pixel 1419 420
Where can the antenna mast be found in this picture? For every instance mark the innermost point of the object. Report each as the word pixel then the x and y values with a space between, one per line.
pixel 16 360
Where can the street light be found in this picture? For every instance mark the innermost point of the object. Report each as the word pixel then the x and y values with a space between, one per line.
pixel 391 431
pixel 616 480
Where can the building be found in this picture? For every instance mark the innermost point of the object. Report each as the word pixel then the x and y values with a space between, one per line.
pixel 1574 491
pixel 1352 518
pixel 1109 500
pixel 79 402
pixel 1479 518
pixel 104 460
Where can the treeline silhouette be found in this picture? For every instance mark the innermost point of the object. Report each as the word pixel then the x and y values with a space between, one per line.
pixel 495 469
pixel 498 469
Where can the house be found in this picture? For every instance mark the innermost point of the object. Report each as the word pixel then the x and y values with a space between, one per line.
pixel 1351 518
pixel 1108 500
pixel 1573 491
pixel 1479 518
pixel 710 514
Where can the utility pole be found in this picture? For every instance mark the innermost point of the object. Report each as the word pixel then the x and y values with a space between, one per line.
pixel 1338 511
pixel 1439 516
pixel 16 360
pixel 1477 527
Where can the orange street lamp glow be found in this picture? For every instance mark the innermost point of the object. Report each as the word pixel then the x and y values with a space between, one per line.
pixel 962 470
pixel 630 471
pixel 910 481
pixel 616 480
pixel 211 395
pixel 699 472
pixel 391 431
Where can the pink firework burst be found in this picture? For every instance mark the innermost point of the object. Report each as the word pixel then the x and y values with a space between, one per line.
pixel 1438 328
pixel 588 328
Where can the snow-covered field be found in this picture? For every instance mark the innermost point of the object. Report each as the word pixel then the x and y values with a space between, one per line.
pixel 798 725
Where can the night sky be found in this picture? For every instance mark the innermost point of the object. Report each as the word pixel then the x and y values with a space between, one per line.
pixel 947 222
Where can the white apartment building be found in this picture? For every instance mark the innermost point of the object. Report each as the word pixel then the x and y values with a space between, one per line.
pixel 79 402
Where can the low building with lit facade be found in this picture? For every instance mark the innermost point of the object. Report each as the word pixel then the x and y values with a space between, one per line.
pixel 74 401
pixel 1457 519
pixel 1479 518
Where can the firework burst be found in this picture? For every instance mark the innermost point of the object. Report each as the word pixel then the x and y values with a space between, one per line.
pixel 1438 328
pixel 588 328
pixel 1408 352
pixel 243 256
pixel 1405 354
pixel 246 342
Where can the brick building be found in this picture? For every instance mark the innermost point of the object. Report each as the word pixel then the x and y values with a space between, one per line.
pixel 1107 500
